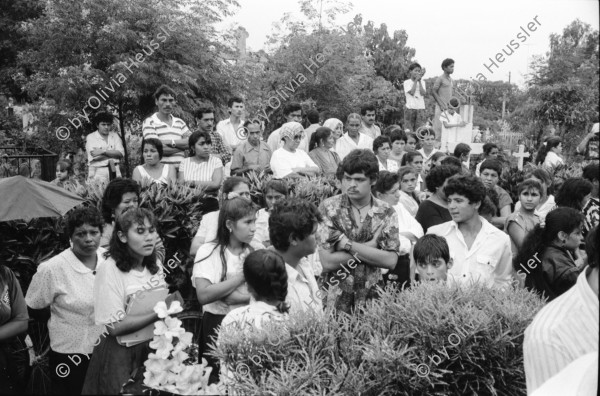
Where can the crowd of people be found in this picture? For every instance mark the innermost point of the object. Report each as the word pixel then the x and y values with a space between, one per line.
pixel 407 213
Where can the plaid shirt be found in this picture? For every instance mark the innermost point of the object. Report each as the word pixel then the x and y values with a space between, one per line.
pixel 590 211
pixel 219 148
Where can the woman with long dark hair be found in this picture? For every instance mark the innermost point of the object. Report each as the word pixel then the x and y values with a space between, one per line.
pixel 218 276
pixel 131 268
pixel 549 258
pixel 549 153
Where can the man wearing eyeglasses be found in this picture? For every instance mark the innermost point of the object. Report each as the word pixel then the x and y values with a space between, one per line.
pixel 253 154
pixel 291 112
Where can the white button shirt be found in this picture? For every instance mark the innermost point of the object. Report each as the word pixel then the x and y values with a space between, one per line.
pixel 489 260
pixel 229 134
pixel 346 144
pixel 302 288
pixel 562 331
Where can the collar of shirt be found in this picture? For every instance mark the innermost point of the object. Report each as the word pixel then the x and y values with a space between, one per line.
pixel 158 120
pixel 347 137
pixel 294 274
pixel 376 206
pixel 78 266
pixel 486 229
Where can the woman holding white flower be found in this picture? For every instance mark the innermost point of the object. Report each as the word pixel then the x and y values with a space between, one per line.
pixel 131 266
pixel 217 274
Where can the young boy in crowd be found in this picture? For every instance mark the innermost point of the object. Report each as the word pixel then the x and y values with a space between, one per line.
pixel 432 258
pixel 398 139
pixel 451 121
pixel 490 175
pixel 427 137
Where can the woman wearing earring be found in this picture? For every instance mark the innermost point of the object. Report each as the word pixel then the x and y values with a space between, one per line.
pixel 321 143
pixel 554 245
pixel 288 161
pixel 218 271
pixel 119 195
pixel 65 284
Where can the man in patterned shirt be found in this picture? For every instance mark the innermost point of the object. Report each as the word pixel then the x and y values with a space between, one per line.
pixel 170 130
pixel 359 236
pixel 205 119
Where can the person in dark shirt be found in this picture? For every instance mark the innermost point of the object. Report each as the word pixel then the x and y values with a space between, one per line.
pixel 434 210
pixel 555 246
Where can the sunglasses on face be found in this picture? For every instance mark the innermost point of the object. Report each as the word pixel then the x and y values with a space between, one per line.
pixel 298 138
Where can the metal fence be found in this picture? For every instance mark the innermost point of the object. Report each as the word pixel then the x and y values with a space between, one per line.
pixel 30 162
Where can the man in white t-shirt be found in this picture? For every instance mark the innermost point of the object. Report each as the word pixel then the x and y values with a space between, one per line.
pixel 170 130
pixel 292 112
pixel 231 128
pixel 368 126
pixel 414 91
pixel 353 139
pixel 102 148
pixel 293 228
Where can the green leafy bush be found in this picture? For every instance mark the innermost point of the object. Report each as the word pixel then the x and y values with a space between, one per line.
pixel 432 339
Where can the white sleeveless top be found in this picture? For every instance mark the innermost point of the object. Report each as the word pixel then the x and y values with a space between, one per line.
pixel 163 177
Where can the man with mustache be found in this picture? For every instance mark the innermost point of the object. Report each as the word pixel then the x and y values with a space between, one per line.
pixel 359 236
pixel 170 130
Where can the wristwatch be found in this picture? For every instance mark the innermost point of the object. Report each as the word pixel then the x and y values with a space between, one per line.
pixel 173 143
pixel 348 246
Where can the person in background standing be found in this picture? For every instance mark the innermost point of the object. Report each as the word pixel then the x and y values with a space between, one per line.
pixel 170 130
pixel 414 90
pixel 321 143
pixel 591 208
pixel 205 120
pixel 549 154
pixel 490 151
pixel 521 222
pixel 353 139
pixel 368 126
pixel 201 169
pixel 102 147
pixel 381 148
pixel 313 119
pixel 337 129
pixel 292 112
pixel 442 92
pixel 230 128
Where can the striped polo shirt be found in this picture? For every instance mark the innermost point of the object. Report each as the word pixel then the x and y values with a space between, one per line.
pixel 202 172
pixel 154 128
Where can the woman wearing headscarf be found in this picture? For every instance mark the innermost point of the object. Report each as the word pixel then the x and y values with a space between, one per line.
pixel 288 161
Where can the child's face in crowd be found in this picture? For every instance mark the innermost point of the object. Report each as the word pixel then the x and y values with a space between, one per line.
pixel 434 271
pixel 530 199
pixel 61 175
pixel 408 183
pixel 543 183
pixel 415 73
pixel 461 209
pixel 272 197
pixel 417 163
pixel 493 153
pixel 357 186
pixel 449 69
pixel 411 143
pixel 202 148
pixel 489 178
pixel 243 229
pixel 398 147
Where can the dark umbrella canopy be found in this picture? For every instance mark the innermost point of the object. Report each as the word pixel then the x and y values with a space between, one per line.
pixel 25 199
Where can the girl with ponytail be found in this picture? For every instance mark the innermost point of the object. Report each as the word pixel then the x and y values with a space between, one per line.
pixel 549 153
pixel 549 259
pixel 266 277
pixel 218 271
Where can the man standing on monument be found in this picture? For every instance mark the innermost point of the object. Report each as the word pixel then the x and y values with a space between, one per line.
pixel 170 130
pixel 442 92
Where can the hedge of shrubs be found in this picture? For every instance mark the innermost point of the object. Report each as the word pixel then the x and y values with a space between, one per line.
pixel 429 340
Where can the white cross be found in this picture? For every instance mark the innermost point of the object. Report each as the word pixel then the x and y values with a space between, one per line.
pixel 521 155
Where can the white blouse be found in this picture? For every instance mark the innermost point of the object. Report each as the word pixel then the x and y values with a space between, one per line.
pixel 553 160
pixel 66 285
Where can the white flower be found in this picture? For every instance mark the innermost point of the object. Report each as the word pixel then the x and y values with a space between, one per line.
pixel 163 312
